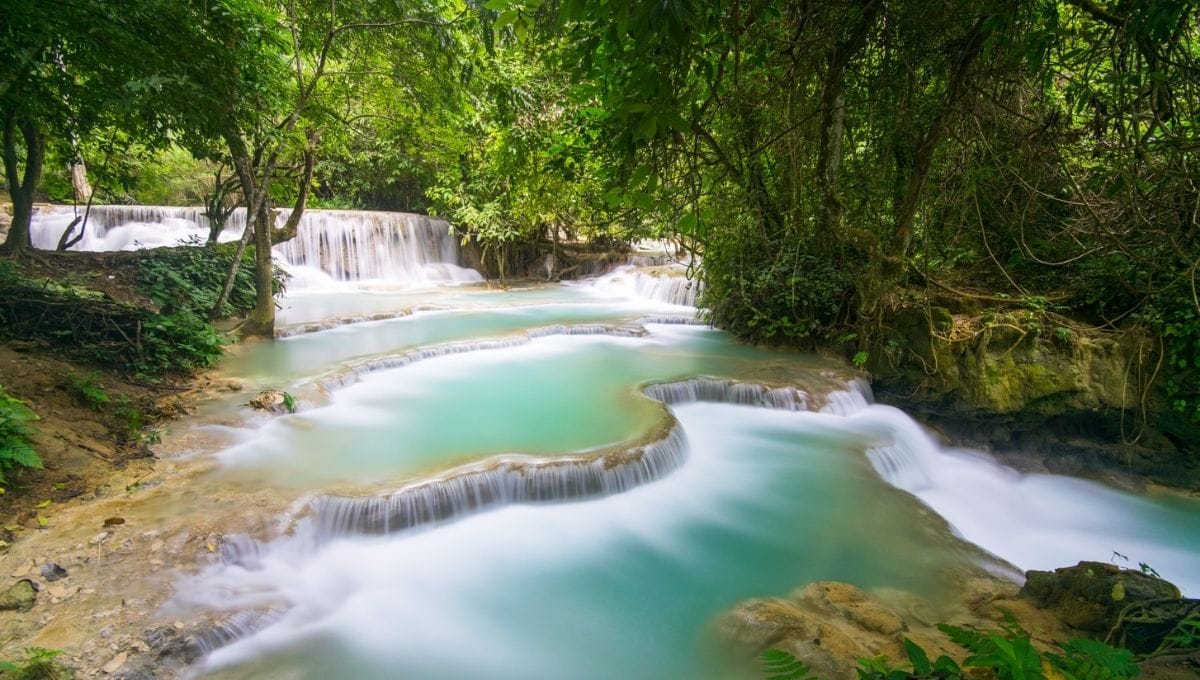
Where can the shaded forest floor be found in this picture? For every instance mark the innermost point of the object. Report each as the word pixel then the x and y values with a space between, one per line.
pixel 92 421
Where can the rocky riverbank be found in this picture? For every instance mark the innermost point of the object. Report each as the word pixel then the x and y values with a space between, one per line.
pixel 832 627
pixel 1058 398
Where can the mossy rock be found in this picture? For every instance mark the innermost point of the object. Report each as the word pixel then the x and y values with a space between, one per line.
pixel 20 596
pixel 1091 595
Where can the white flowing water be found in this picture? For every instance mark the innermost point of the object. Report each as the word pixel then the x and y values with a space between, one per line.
pixel 572 480
pixel 400 250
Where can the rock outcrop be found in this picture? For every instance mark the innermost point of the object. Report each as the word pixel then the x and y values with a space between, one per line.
pixel 1071 401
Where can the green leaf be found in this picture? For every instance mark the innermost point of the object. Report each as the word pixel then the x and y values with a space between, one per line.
pixel 780 665
pixel 918 658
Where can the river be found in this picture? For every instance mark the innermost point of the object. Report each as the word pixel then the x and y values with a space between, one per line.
pixel 569 480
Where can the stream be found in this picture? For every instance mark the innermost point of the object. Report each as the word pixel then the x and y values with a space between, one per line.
pixel 568 480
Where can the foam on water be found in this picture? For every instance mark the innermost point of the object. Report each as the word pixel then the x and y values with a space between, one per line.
pixel 1035 521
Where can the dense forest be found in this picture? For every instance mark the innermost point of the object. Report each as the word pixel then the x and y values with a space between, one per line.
pixel 831 162
pixel 984 212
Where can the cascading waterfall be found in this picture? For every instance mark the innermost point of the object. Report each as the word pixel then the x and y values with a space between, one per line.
pixel 729 392
pixel 499 482
pixel 507 480
pixel 330 245
pixel 354 245
pixel 129 227
pixel 669 285
pixel 521 479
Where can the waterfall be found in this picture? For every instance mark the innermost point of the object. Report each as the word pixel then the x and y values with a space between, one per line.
pixel 729 392
pixel 499 482
pixel 359 245
pixel 668 285
pixel 505 480
pixel 330 245
pixel 129 227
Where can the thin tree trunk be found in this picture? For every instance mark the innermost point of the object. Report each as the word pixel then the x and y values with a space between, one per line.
pixel 833 116
pixel 288 230
pixel 231 276
pixel 21 188
pixel 254 201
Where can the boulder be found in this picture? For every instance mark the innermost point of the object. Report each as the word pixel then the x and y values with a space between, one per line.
pixel 21 595
pixel 273 401
pixel 1091 595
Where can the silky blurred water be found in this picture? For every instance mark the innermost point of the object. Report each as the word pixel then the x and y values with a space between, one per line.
pixel 451 372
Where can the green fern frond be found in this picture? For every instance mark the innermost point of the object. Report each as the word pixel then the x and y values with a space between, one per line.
pixel 1096 660
pixel 966 638
pixel 780 665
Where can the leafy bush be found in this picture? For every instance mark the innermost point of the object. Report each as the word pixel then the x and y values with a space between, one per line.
pixel 15 448
pixel 191 278
pixel 767 295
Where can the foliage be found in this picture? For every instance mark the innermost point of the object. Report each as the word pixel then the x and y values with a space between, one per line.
pixel 35 663
pixel 780 665
pixel 289 402
pixel 185 283
pixel 190 278
pixel 15 447
pixel 142 340
pixel 1176 319
pixel 772 296
pixel 87 391
pixel 1084 659
pixel 1007 655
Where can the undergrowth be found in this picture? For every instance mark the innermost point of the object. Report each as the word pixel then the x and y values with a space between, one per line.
pixel 183 282
pixel 35 663
pixel 1004 655
pixel 15 430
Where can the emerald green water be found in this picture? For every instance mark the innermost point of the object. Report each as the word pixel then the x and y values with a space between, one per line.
pixel 626 585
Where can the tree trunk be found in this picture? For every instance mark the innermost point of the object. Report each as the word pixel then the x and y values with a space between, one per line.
pixel 256 204
pixel 21 188
pixel 833 116
pixel 906 210
pixel 262 317
pixel 79 182
pixel 288 231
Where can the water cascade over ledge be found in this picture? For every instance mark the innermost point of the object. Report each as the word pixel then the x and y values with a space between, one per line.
pixel 330 246
pixel 360 245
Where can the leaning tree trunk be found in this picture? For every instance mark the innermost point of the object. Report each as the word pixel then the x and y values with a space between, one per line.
pixel 21 187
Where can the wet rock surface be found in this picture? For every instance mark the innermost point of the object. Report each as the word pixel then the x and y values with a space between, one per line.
pixel 1090 596
pixel 272 401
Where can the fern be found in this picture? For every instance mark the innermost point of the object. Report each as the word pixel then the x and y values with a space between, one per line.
pixel 780 665
pixel 970 640
pixel 1093 660
pixel 15 448
pixel 88 392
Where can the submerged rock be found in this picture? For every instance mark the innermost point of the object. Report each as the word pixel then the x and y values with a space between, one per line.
pixel 21 595
pixel 1091 595
pixel 52 571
